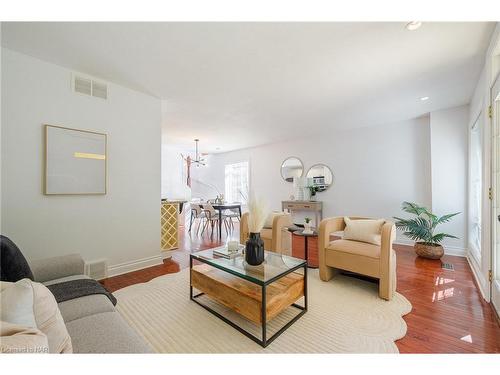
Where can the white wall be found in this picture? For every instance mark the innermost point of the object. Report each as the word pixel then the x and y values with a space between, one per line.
pixel 449 154
pixel 173 173
pixel 123 225
pixel 375 169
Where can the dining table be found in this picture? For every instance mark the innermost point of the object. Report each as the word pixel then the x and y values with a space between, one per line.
pixel 220 207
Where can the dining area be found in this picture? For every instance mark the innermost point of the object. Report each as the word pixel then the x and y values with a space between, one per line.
pixel 212 216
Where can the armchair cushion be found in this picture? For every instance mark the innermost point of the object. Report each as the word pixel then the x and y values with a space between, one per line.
pixel 13 266
pixel 355 247
pixel 270 218
pixel 266 234
pixel 363 230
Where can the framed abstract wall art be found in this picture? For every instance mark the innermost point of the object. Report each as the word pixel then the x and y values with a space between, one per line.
pixel 75 161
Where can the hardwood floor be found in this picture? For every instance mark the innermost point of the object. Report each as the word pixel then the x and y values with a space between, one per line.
pixel 448 316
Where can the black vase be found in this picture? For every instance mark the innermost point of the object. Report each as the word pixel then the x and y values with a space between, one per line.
pixel 254 252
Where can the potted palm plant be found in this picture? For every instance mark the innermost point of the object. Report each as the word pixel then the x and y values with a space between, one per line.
pixel 421 229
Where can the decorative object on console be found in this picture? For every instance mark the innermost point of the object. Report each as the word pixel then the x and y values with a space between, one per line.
pixel 421 229
pixel 307 226
pixel 320 177
pixel 299 188
pixel 75 161
pixel 291 168
pixel 313 190
pixel 257 215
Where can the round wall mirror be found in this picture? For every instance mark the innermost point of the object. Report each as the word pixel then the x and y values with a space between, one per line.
pixel 321 177
pixel 291 167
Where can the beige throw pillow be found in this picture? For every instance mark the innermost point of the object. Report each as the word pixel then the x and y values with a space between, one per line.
pixel 43 308
pixel 364 230
pixel 16 303
pixel 15 338
pixel 270 218
pixel 49 320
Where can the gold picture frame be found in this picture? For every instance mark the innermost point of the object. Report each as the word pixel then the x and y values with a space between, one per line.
pixel 75 161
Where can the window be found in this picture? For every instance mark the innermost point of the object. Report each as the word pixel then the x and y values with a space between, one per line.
pixel 236 178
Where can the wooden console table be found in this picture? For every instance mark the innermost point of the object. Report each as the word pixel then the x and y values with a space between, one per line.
pixel 313 206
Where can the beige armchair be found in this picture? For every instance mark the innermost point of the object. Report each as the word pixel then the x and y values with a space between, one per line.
pixel 359 257
pixel 277 238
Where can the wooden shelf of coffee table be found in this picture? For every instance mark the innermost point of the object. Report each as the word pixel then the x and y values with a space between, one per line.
pixel 245 297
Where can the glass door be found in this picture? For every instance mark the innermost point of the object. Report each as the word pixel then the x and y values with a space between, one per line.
pixel 475 187
pixel 495 196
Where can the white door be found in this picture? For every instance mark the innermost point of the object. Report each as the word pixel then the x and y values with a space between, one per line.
pixel 495 201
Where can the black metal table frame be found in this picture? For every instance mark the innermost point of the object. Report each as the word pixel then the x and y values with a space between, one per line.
pixel 264 342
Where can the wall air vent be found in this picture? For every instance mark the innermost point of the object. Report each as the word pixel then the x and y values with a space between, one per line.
pixel 99 90
pixel 89 86
pixel 83 85
pixel 97 269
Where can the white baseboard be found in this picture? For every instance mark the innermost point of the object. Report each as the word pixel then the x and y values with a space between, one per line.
pixel 448 250
pixel 134 265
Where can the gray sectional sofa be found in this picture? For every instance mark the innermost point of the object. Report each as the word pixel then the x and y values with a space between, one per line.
pixel 92 321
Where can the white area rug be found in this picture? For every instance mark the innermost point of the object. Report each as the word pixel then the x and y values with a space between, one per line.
pixel 344 315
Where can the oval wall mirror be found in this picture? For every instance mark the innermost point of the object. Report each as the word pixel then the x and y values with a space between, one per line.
pixel 321 176
pixel 291 167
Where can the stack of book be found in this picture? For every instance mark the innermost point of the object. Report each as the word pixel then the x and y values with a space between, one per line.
pixel 225 253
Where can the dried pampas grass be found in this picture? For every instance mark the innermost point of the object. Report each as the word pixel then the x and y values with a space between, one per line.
pixel 257 214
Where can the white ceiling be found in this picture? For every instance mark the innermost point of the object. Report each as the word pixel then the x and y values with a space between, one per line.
pixel 235 85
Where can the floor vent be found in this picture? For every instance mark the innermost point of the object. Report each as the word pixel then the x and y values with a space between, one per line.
pixel 447 266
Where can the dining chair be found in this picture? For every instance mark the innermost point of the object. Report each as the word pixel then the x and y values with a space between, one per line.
pixel 232 213
pixel 197 214
pixel 211 217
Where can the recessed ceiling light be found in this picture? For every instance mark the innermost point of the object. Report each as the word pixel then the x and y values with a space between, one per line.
pixel 424 98
pixel 413 25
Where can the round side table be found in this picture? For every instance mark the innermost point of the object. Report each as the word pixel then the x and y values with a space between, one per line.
pixel 306 244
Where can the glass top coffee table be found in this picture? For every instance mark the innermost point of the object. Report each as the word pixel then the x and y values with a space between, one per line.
pixel 257 293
